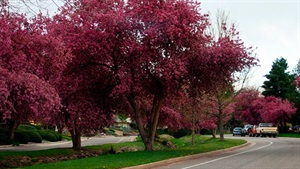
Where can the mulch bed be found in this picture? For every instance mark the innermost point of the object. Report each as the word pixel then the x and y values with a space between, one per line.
pixel 21 161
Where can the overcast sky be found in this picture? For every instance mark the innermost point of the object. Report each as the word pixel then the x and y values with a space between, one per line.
pixel 271 26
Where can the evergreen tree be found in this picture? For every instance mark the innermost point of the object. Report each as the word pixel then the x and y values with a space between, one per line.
pixel 280 83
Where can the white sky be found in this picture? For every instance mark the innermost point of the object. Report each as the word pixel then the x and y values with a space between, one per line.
pixel 271 26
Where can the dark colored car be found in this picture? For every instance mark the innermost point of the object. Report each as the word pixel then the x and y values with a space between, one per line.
pixel 246 129
pixel 237 131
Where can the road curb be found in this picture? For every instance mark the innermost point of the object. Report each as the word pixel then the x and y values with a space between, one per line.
pixel 191 157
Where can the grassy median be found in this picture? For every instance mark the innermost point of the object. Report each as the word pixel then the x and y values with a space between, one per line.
pixel 126 159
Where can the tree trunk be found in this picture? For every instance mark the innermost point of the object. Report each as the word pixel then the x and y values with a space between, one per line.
pixel 220 119
pixel 140 126
pixel 12 128
pixel 60 129
pixel 155 112
pixel 193 129
pixel 221 125
pixel 149 135
pixel 213 133
pixel 76 138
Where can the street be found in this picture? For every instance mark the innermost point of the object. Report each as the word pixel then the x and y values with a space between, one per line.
pixel 264 153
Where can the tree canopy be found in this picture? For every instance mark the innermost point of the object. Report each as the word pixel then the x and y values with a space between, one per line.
pixel 133 56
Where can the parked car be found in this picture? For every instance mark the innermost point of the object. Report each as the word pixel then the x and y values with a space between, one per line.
pixel 246 129
pixel 266 129
pixel 237 131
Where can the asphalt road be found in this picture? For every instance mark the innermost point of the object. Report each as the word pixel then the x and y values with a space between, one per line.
pixel 263 153
pixel 67 144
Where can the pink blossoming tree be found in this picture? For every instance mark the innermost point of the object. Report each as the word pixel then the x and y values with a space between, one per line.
pixel 30 63
pixel 139 55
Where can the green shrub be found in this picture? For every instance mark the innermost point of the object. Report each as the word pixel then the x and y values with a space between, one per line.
pixel 42 133
pixel 34 136
pixel 181 133
pixel 109 132
pixel 133 126
pixel 16 143
pixel 3 138
pixel 205 132
pixel 4 131
pixel 27 127
pixel 162 131
pixel 21 137
pixel 49 136
pixel 57 135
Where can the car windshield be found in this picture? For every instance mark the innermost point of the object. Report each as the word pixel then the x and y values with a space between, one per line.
pixel 266 125
pixel 248 126
pixel 238 128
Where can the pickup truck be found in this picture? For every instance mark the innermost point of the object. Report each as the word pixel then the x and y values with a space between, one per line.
pixel 266 129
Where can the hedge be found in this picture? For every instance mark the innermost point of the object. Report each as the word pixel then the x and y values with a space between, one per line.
pixel 21 137
pixel 48 135
pixel 34 136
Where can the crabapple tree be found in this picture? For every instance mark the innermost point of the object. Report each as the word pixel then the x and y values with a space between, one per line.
pixel 140 54
pixel 94 32
pixel 31 62
pixel 252 108
pixel 275 110
pixel 26 97
pixel 244 106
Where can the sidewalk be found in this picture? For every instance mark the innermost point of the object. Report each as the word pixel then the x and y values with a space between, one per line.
pixel 85 141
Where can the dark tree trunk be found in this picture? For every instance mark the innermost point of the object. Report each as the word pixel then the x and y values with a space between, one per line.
pixel 60 129
pixel 193 129
pixel 221 129
pixel 140 126
pixel 155 112
pixel 12 128
pixel 148 135
pixel 76 138
pixel 213 133
pixel 220 119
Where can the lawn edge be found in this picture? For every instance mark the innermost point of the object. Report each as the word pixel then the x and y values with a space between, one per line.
pixel 190 157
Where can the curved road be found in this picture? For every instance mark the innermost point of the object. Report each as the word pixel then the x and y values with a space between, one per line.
pixel 264 153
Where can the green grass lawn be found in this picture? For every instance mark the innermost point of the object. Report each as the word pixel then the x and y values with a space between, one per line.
pixel 120 160
pixel 293 135
pixel 40 153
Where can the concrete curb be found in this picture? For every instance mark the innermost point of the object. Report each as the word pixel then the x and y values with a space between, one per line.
pixel 191 157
